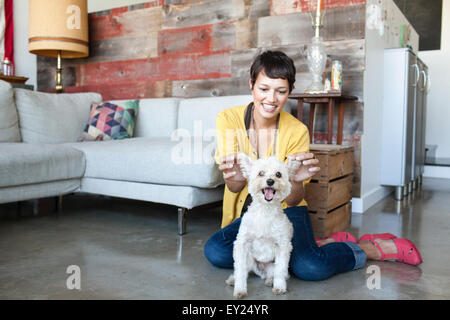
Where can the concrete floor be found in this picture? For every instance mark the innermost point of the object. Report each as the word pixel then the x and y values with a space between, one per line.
pixel 130 250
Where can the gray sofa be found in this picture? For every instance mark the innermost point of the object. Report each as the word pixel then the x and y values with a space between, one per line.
pixel 170 159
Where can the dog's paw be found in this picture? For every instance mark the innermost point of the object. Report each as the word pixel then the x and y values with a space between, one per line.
pixel 279 291
pixel 279 286
pixel 240 294
pixel 230 280
pixel 269 282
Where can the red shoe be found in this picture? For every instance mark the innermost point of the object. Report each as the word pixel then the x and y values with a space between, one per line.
pixel 339 236
pixel 406 251
pixel 382 236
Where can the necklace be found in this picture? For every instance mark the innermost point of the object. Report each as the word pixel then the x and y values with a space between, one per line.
pixel 255 134
pixel 255 137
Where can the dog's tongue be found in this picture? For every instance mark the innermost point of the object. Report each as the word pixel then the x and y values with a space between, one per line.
pixel 268 193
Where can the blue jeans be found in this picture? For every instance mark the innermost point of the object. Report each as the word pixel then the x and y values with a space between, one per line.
pixel 308 260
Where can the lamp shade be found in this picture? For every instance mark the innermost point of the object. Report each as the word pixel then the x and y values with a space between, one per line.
pixel 59 26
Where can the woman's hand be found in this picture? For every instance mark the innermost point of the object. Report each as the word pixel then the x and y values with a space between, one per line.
pixel 308 166
pixel 232 173
pixel 230 168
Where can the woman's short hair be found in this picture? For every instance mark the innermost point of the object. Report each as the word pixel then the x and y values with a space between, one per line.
pixel 274 64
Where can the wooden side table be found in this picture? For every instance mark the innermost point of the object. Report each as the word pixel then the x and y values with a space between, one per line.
pixel 13 79
pixel 17 82
pixel 326 98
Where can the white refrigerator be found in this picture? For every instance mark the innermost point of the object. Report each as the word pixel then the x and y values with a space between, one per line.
pixel 403 127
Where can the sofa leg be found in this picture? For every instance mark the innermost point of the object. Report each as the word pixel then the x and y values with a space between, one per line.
pixel 58 203
pixel 18 209
pixel 182 221
pixel 35 207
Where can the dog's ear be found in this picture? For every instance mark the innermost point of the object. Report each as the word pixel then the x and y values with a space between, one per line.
pixel 293 166
pixel 245 163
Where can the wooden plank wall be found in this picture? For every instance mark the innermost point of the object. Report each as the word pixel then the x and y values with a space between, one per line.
pixel 191 48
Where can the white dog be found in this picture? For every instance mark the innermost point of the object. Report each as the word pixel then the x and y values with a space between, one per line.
pixel 263 244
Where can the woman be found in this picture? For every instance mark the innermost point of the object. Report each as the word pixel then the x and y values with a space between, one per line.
pixel 263 129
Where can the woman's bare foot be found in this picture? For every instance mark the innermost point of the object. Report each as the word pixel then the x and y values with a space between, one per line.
pixel 373 253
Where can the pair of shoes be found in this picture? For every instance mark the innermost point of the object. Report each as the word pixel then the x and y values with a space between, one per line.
pixel 339 236
pixel 406 250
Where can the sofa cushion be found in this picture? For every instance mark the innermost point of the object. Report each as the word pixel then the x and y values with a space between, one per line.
pixel 108 121
pixel 9 120
pixel 39 190
pixel 23 163
pixel 152 160
pixel 181 196
pixel 157 117
pixel 53 118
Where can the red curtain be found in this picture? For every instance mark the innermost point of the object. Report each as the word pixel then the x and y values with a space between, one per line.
pixel 9 30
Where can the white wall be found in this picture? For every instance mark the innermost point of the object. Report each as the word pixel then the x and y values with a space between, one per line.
pixel 25 61
pixel 438 113
pixel 370 140
pixel 371 190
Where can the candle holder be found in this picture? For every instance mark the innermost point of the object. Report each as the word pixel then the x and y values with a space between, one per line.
pixel 316 54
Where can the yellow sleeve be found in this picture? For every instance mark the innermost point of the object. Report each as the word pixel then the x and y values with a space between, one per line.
pixel 299 143
pixel 231 138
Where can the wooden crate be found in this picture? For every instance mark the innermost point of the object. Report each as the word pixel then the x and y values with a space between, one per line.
pixel 334 161
pixel 329 192
pixel 324 196
pixel 336 220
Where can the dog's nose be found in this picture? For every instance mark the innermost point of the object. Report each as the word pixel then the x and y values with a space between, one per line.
pixel 270 182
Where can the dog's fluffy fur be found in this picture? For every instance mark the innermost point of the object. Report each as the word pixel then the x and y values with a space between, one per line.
pixel 263 244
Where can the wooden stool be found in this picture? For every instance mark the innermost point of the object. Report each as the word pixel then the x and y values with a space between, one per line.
pixel 325 98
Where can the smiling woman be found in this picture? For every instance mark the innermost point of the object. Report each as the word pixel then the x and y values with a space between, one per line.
pixel 268 131
pixel 263 129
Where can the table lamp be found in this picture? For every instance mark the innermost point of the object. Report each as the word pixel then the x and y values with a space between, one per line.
pixel 59 29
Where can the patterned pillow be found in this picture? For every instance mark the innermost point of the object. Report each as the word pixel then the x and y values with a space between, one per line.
pixel 109 121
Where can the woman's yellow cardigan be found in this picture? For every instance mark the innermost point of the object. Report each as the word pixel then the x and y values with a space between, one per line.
pixel 292 138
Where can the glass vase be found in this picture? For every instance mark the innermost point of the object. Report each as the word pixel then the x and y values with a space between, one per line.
pixel 316 57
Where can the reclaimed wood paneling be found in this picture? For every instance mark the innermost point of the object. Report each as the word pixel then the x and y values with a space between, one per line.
pixel 123 48
pixel 125 24
pixel 246 34
pixel 134 90
pixel 223 36
pixel 281 7
pixel 193 39
pixel 210 87
pixel 257 8
pixel 48 76
pixel 339 24
pixel 350 52
pixel 202 12
pixel 353 118
pixel 169 67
